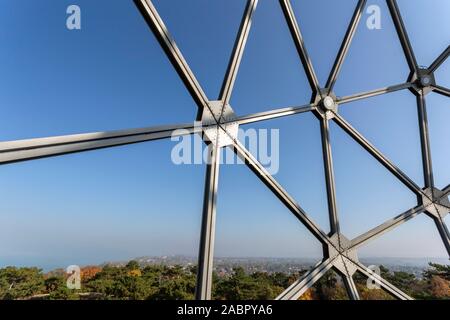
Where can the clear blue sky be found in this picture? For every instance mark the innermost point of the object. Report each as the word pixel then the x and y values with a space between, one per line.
pixel 131 201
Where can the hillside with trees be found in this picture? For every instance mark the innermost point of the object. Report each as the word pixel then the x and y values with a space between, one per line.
pixel 157 282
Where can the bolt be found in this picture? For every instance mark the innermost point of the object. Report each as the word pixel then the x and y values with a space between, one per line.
pixel 425 81
pixel 328 102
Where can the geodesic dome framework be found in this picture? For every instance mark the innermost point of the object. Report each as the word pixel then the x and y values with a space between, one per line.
pixel 219 124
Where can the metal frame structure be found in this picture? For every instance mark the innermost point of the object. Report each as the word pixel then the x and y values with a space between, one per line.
pixel 219 124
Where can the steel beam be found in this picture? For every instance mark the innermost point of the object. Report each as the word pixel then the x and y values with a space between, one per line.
pixel 295 290
pixel 22 150
pixel 443 232
pixel 372 93
pixel 329 176
pixel 300 45
pixel 441 90
pixel 166 41
pixel 350 286
pixel 402 35
pixel 385 227
pixel 239 46
pixel 206 250
pixel 377 154
pixel 439 60
pixel 345 45
pixel 278 190
pixel 272 114
pixel 425 141
pixel 382 282
pixel 446 189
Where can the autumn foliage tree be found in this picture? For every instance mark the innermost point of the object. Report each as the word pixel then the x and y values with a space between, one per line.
pixel 88 272
pixel 158 282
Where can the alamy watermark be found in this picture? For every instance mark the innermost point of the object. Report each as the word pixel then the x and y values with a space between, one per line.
pixel 73 281
pixel 73 21
pixel 373 22
pixel 263 144
pixel 373 281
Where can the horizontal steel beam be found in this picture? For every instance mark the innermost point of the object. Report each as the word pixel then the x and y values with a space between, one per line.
pixel 22 150
pixel 351 30
pixel 377 154
pixel 385 227
pixel 299 287
pixel 372 93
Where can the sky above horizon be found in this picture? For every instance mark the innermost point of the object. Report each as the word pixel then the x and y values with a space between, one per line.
pixel 130 201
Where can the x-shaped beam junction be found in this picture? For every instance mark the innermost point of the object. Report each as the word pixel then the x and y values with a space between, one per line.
pixel 343 258
pixel 222 131
pixel 436 203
